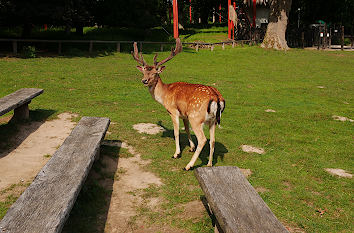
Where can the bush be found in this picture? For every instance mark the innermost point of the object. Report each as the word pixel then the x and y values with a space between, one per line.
pixel 29 52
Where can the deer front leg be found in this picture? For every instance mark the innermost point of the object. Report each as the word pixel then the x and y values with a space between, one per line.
pixel 198 130
pixel 175 121
pixel 186 126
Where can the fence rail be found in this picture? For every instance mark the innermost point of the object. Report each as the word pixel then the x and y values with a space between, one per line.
pixel 118 43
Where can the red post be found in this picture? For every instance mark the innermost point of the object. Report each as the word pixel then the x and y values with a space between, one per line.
pixel 254 13
pixel 190 11
pixel 175 19
pixel 228 20
pixel 220 13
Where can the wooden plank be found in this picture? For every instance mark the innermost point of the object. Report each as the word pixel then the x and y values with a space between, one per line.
pixel 234 202
pixel 46 203
pixel 18 98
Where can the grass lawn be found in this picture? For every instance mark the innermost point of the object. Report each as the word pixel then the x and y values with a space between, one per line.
pixel 300 139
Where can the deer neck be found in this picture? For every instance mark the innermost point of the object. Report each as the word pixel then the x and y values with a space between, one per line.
pixel 158 91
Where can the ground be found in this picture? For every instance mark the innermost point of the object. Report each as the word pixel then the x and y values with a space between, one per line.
pixel 309 131
pixel 28 154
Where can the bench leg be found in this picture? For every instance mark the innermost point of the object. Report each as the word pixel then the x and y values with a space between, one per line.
pixel 22 112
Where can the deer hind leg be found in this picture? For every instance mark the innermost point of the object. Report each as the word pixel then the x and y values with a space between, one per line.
pixel 211 142
pixel 186 126
pixel 198 130
pixel 175 121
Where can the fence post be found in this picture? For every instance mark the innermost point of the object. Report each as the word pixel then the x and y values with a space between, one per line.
pixel 241 43
pixel 319 38
pixel 303 39
pixel 233 44
pixel 161 47
pixel 223 46
pixel 14 46
pixel 342 39
pixel 212 47
pixel 91 46
pixel 330 38
pixel 197 47
pixel 59 47
pixel 118 47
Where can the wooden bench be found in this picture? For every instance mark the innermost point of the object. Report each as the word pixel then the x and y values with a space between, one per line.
pixel 233 201
pixel 46 203
pixel 19 101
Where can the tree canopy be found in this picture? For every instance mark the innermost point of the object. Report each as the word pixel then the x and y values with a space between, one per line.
pixel 146 14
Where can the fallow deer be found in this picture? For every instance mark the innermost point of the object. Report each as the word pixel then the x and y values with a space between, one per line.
pixel 194 103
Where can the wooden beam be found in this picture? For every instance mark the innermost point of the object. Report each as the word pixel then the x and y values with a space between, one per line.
pixel 46 203
pixel 17 99
pixel 235 203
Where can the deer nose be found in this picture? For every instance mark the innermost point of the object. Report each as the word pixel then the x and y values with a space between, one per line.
pixel 145 81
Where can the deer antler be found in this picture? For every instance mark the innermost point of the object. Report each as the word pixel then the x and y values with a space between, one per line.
pixel 174 52
pixel 137 57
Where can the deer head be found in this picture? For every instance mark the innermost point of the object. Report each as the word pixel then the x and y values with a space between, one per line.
pixel 151 73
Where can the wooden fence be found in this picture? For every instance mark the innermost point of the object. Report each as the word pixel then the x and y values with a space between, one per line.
pixel 197 45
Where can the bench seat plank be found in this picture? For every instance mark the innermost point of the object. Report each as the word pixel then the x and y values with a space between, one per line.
pixel 47 202
pixel 18 98
pixel 234 202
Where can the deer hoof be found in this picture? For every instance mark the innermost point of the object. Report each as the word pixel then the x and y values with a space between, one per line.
pixel 176 156
pixel 209 165
pixel 192 149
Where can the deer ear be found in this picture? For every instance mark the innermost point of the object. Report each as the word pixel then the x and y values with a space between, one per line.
pixel 160 69
pixel 140 68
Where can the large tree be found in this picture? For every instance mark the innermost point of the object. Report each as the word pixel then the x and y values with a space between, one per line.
pixel 278 21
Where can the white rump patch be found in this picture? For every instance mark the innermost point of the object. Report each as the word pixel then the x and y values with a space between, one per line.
pixel 252 149
pixel 340 118
pixel 148 128
pixel 339 172
pixel 211 116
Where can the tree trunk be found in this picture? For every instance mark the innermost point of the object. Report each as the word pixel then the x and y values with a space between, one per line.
pixel 79 30
pixel 278 21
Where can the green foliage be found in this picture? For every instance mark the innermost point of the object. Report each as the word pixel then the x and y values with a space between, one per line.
pixel 28 52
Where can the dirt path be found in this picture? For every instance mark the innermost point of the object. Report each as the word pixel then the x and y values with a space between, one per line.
pixel 33 145
pixel 126 198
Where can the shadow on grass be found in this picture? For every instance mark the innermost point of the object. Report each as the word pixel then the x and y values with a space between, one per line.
pixel 219 151
pixel 90 211
pixel 11 134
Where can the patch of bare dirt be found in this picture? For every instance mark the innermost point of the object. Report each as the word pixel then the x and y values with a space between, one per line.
pixel 193 210
pixel 252 149
pixel 270 110
pixel 127 196
pixel 148 128
pixel 261 189
pixel 246 172
pixel 341 118
pixel 5 119
pixel 339 172
pixel 293 229
pixel 288 185
pixel 23 162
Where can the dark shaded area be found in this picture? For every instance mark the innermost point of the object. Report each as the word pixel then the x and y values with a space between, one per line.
pixel 219 151
pixel 9 137
pixel 210 213
pixel 90 211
